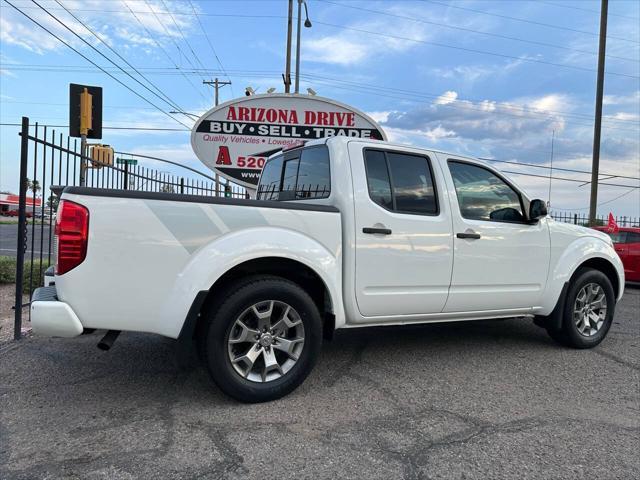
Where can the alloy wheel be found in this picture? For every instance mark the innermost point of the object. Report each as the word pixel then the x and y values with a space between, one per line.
pixel 266 341
pixel 590 309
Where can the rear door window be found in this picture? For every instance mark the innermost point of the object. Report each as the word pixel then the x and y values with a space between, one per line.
pixel 269 187
pixel 314 176
pixel 297 175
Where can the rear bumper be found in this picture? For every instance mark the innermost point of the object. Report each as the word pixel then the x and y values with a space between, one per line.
pixel 51 317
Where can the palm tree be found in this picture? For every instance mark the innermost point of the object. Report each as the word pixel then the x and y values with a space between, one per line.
pixel 33 186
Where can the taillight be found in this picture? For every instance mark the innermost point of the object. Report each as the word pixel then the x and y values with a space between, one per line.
pixel 72 230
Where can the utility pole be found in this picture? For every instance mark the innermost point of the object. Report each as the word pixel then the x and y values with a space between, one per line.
pixel 597 128
pixel 287 75
pixel 217 84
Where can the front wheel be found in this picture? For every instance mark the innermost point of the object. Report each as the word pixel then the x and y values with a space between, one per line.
pixel 263 340
pixel 588 310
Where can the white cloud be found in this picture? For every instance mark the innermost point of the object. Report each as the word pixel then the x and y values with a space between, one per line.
pixel 481 120
pixel 553 102
pixel 379 116
pixel 446 98
pixel 474 73
pixel 349 47
pixel 632 99
pixel 625 116
pixel 520 130
pixel 111 20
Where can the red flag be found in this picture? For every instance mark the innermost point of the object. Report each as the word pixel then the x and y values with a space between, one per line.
pixel 612 227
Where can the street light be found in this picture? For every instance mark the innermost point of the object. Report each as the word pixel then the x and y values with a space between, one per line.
pixel 307 24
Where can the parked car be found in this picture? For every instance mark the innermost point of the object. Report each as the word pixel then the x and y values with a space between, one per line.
pixel 626 242
pixel 344 233
pixel 14 213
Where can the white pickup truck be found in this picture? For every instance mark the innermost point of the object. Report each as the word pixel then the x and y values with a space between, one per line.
pixel 344 233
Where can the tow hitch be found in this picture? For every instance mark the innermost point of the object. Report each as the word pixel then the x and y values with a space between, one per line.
pixel 107 341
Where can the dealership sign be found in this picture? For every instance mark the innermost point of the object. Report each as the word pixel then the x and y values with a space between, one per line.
pixel 235 138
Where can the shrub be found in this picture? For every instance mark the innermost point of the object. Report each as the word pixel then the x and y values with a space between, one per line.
pixel 8 273
pixel 7 270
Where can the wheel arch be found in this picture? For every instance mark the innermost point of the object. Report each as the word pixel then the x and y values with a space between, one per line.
pixel 602 264
pixel 294 270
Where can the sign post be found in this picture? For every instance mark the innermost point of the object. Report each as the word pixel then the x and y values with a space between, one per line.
pixel 235 138
pixel 85 119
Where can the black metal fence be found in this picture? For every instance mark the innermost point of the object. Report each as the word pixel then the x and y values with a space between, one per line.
pixel 50 159
pixel 583 219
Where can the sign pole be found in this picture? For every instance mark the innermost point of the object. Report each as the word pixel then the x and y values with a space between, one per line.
pixel 85 126
pixel 83 162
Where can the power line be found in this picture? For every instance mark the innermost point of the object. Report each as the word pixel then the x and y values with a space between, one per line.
pixel 474 50
pixel 96 65
pixel 172 103
pixel 516 111
pixel 524 20
pixel 186 57
pixel 575 180
pixel 572 7
pixel 555 168
pixel 442 45
pixel 463 29
pixel 633 189
pixel 162 96
pixel 215 54
pixel 456 104
pixel 495 160
pixel 162 48
pixel 104 127
pixel 173 19
pixel 381 91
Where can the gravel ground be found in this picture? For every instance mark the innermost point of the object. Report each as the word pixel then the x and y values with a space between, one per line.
pixel 7 314
pixel 491 399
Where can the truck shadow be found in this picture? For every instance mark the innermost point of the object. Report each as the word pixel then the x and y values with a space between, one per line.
pixel 143 365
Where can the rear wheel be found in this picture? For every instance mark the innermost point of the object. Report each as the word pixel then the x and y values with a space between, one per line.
pixel 588 310
pixel 263 340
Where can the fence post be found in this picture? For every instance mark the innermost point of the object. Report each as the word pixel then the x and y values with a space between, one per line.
pixel 126 175
pixel 181 184
pixel 575 218
pixel 22 227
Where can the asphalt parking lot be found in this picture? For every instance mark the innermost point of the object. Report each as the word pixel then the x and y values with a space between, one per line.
pixel 491 399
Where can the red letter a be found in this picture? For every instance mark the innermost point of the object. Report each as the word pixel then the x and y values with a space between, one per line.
pixel 223 156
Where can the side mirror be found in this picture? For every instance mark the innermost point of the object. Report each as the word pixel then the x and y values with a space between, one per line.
pixel 537 209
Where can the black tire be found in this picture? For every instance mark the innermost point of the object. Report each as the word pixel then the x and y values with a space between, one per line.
pixel 569 333
pixel 221 319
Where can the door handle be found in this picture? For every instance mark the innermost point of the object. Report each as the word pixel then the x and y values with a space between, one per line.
pixel 468 235
pixel 380 231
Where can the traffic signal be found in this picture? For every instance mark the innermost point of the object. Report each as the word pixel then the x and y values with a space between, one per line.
pixel 85 111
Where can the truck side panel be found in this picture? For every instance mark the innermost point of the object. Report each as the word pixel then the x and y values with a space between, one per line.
pixel 148 258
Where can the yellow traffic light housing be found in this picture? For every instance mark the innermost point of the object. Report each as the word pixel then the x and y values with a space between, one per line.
pixel 101 156
pixel 86 105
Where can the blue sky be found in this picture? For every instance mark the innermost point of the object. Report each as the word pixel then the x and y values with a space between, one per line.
pixel 485 78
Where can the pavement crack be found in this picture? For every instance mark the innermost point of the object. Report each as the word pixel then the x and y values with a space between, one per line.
pixel 617 359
